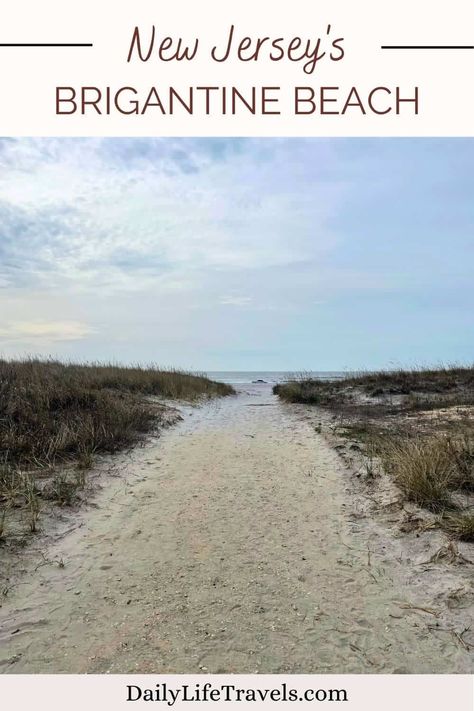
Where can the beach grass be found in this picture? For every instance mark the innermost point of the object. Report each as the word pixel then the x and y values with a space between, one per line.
pixel 56 417
pixel 417 423
pixel 459 525
pixel 440 384
pixel 423 469
pixel 51 411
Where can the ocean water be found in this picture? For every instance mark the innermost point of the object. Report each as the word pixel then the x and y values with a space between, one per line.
pixel 245 377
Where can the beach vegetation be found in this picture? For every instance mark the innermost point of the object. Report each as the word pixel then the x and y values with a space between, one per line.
pixel 55 418
pixel 415 425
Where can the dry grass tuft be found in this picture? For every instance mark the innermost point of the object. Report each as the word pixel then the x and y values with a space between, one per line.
pixel 461 449
pixel 308 391
pixel 423 469
pixel 460 525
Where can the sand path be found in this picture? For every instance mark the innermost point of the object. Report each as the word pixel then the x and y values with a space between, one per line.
pixel 226 548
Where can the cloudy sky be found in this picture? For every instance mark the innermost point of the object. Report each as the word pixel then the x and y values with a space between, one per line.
pixel 245 254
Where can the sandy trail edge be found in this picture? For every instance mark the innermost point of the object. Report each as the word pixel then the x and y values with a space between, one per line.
pixel 228 547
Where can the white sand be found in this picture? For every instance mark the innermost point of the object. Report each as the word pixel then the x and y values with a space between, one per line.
pixel 228 545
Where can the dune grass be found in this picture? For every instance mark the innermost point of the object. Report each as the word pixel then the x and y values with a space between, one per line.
pixel 431 459
pixel 51 410
pixel 423 469
pixel 445 381
pixel 55 417
pixel 459 525
pixel 404 381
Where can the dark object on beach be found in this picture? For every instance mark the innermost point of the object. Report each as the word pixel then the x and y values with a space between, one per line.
pixel 259 381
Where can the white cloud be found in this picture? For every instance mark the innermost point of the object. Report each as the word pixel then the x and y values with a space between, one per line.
pixel 45 331
pixel 127 214
pixel 236 300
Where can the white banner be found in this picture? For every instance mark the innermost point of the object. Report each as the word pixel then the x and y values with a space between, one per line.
pixel 350 692
pixel 237 68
